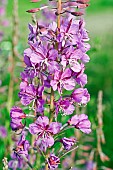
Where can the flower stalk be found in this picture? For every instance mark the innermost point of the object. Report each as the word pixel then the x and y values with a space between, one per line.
pixel 55 63
pixel 59 9
pixel 14 53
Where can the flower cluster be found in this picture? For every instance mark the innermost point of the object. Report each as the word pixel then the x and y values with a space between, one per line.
pixel 53 85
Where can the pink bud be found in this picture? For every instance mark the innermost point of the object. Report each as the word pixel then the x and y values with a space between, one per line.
pixel 34 10
pixel 82 5
pixel 76 13
pixel 82 1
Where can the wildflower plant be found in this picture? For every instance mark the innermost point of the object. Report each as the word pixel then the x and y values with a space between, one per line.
pixel 52 87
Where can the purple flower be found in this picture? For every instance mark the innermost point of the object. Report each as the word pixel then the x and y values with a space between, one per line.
pixel 82 37
pixel 85 58
pixel 48 14
pixel 81 79
pixel 53 162
pixel 81 96
pixel 80 122
pixel 71 56
pixel 22 148
pixel 68 142
pixel 14 163
pixel 32 34
pixel 29 93
pixel 41 143
pixel 63 80
pixel 46 57
pixel 55 60
pixel 16 124
pixel 44 130
pixel 65 106
pixel 74 64
pixel 27 54
pixel 17 113
pixel 3 132
pixel 27 75
pixel 68 31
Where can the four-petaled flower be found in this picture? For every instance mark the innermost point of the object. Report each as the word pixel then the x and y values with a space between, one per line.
pixel 80 122
pixel 65 106
pixel 81 96
pixel 29 93
pixel 63 80
pixel 22 148
pixel 45 57
pixel 44 130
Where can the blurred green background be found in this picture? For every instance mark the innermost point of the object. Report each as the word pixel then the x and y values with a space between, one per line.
pixel 99 22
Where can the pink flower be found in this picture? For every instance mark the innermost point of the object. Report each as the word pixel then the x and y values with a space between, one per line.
pixel 53 162
pixel 44 130
pixel 81 96
pixel 68 142
pixel 81 122
pixel 63 80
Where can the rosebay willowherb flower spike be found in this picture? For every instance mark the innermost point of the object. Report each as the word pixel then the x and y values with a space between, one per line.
pixel 52 85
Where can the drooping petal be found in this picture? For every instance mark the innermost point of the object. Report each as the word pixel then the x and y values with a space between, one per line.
pixel 49 141
pixel 86 97
pixel 82 80
pixel 84 126
pixel 23 85
pixel 78 94
pixel 53 26
pixel 85 58
pixel 41 143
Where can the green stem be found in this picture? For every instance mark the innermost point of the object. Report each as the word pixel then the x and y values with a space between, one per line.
pixel 52 105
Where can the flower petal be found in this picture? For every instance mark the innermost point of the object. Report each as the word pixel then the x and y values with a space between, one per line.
pixel 55 127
